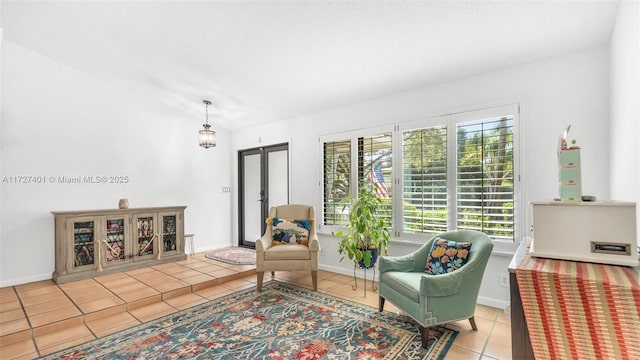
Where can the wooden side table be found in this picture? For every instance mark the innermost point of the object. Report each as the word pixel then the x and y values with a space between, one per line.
pixel 564 309
pixel 520 341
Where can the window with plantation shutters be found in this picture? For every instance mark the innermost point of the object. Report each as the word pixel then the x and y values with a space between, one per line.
pixel 354 159
pixel 337 181
pixel 485 177
pixel 375 170
pixel 424 180
pixel 455 171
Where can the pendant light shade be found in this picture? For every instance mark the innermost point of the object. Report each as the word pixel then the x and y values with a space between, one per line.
pixel 206 136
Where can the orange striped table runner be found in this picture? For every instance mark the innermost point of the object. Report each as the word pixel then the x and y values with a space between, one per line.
pixel 577 310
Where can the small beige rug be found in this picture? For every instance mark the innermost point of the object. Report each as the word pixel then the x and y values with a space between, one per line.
pixel 233 255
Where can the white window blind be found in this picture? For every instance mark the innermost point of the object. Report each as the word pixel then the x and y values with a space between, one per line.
pixel 455 171
pixel 375 168
pixel 337 181
pixel 485 177
pixel 424 180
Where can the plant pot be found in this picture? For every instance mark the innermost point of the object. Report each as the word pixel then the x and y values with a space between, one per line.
pixel 374 258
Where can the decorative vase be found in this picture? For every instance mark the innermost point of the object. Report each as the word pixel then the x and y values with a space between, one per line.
pixel 374 258
pixel 123 204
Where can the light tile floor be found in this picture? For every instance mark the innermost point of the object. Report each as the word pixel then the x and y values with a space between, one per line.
pixel 42 317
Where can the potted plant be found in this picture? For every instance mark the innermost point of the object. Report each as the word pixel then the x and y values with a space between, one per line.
pixel 367 233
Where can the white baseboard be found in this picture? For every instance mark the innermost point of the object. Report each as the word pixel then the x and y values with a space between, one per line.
pixel 496 303
pixel 482 300
pixel 209 248
pixel 26 279
pixel 343 271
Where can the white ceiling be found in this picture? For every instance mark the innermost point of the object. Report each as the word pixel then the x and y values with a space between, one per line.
pixel 266 60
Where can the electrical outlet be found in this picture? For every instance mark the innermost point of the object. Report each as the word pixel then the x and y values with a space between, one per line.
pixel 322 251
pixel 504 280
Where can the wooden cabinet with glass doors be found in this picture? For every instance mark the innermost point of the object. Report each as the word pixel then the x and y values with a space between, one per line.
pixel 99 242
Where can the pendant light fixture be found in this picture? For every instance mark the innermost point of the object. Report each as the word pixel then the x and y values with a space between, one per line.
pixel 206 136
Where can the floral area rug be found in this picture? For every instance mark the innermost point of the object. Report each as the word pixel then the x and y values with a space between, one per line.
pixel 283 322
pixel 233 255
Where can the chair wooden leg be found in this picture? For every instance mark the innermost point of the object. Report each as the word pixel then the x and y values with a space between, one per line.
pixel 472 321
pixel 424 335
pixel 314 279
pixel 260 278
pixel 380 303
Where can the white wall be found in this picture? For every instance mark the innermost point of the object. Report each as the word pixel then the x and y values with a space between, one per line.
pixel 570 89
pixel 58 121
pixel 625 105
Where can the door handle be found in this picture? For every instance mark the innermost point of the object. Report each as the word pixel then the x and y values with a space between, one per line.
pixel 261 196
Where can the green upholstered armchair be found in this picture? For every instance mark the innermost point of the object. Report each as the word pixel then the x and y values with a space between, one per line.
pixel 435 299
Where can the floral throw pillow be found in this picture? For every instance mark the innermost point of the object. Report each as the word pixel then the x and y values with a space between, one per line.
pixel 446 256
pixel 290 231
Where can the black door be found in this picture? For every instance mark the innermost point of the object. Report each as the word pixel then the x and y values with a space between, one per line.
pixel 263 182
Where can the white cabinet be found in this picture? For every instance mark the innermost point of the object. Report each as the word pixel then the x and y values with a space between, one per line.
pixel 599 232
